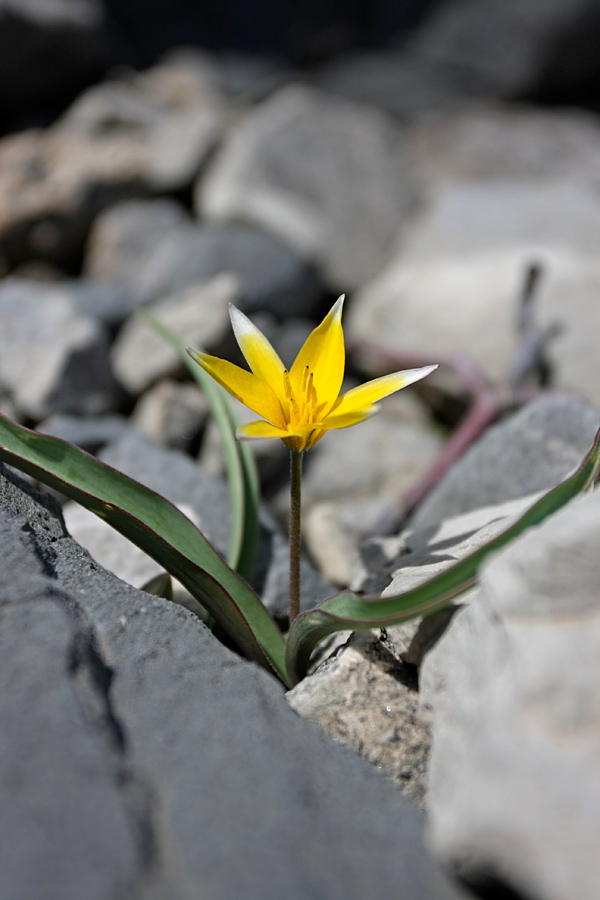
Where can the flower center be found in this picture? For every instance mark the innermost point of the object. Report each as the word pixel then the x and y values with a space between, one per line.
pixel 302 411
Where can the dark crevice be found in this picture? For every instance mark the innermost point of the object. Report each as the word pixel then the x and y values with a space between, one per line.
pixel 93 681
pixel 93 678
pixel 489 886
pixel 45 554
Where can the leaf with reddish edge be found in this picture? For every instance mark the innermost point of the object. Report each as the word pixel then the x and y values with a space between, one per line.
pixel 157 527
pixel 350 611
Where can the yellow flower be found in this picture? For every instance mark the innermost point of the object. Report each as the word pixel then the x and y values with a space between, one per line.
pixel 300 405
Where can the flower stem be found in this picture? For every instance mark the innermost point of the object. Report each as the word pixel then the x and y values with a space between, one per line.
pixel 295 506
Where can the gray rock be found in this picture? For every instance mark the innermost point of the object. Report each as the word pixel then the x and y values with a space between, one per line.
pixel 88 432
pixel 65 756
pixel 398 82
pixel 155 249
pixel 110 303
pixel 514 686
pixel 135 711
pixel 505 48
pixel 271 457
pixel 171 111
pixel 171 414
pixel 530 451
pixel 485 142
pixel 46 215
pixel 48 52
pixel 176 477
pixel 206 500
pixel 118 555
pixel 328 177
pixel 364 698
pixel 393 565
pixel 355 475
pixel 122 139
pixel 454 284
pixel 52 357
pixel 271 578
pixel 197 315
pixel 125 237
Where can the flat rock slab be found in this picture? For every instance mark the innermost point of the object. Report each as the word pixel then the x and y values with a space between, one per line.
pixel 154 248
pixel 327 176
pixel 197 315
pixel 189 486
pixel 142 758
pixel 367 700
pixel 454 282
pixel 514 686
pixel 530 451
pixel 145 134
pixel 53 358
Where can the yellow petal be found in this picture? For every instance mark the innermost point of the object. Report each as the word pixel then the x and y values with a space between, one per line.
pixel 345 420
pixel 299 438
pixel 246 387
pixel 255 431
pixel 260 355
pixel 323 353
pixel 366 394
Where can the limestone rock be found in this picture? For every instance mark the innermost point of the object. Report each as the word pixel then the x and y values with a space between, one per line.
pixel 197 315
pixel 171 111
pixel 328 177
pixel 88 432
pixel 354 476
pixel 136 712
pixel 463 50
pixel 514 686
pixel 485 142
pixel 364 698
pixel 156 250
pixel 454 283
pixel 531 450
pixel 171 414
pixel 120 139
pixel 52 357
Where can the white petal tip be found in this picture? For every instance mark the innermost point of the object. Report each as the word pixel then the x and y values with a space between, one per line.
pixel 413 375
pixel 195 354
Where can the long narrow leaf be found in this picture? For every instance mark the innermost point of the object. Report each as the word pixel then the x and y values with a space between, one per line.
pixel 157 527
pixel 239 462
pixel 247 537
pixel 349 610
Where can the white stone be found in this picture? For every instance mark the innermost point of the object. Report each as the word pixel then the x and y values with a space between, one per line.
pixel 454 283
pixel 353 478
pixel 114 552
pixel 327 176
pixel 197 315
pixel 514 686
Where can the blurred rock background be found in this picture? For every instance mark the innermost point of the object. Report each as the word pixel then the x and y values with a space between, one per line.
pixel 421 156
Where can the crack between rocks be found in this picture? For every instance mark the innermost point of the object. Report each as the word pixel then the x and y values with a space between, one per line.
pixel 92 678
pixel 488 886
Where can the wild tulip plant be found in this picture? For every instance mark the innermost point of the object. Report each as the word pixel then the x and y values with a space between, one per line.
pixel 301 405
pixel 298 407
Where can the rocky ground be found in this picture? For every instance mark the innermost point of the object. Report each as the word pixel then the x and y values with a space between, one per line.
pixel 452 757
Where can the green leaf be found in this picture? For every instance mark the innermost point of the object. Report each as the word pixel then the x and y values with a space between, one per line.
pixel 160 586
pixel 350 611
pixel 239 461
pixel 158 528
